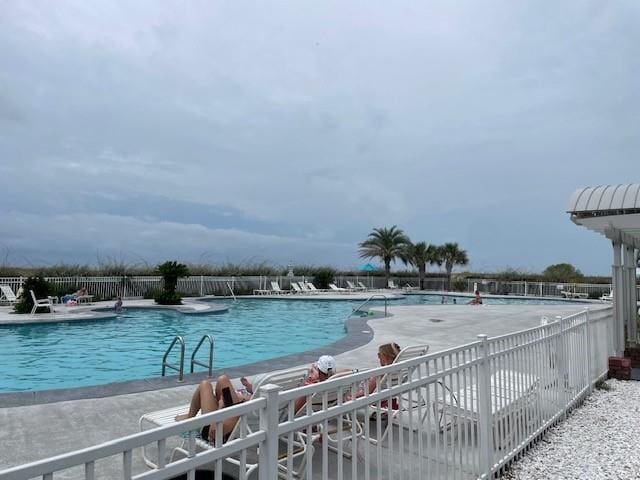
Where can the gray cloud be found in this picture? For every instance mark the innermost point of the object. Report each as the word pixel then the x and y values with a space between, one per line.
pixel 469 122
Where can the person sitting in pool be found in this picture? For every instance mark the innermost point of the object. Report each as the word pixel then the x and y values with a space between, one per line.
pixel 387 354
pixel 477 300
pixel 206 400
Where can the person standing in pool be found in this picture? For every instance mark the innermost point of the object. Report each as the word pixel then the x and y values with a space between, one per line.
pixel 207 399
pixel 118 305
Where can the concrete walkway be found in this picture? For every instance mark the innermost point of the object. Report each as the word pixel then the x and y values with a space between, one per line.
pixel 39 431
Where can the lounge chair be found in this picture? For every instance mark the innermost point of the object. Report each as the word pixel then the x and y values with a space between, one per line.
pixel 335 288
pixel 404 403
pixel 512 393
pixel 7 296
pixel 306 288
pixel 285 379
pixel 353 287
pixel 392 285
pixel 275 288
pixel 296 288
pixel 608 297
pixel 41 303
pixel 86 299
pixel 312 288
pixel 363 286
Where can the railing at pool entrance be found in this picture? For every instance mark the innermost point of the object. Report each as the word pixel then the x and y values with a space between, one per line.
pixel 462 413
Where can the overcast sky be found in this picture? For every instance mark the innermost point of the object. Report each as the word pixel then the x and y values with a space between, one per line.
pixel 284 131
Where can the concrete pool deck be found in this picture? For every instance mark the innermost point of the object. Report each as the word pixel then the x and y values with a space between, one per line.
pixel 191 306
pixel 35 432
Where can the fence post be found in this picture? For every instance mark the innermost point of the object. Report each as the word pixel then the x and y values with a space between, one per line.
pixel 485 420
pixel 588 330
pixel 268 454
pixel 562 367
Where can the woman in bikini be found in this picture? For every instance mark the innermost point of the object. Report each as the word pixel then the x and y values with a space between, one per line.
pixel 207 400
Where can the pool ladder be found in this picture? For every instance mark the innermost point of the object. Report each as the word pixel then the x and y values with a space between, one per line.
pixel 180 367
pixel 372 297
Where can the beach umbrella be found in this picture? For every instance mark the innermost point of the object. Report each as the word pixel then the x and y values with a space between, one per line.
pixel 368 267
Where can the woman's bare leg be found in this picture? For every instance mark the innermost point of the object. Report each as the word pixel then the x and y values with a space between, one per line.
pixel 202 399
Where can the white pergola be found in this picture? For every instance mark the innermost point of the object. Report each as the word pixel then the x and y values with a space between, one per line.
pixel 614 211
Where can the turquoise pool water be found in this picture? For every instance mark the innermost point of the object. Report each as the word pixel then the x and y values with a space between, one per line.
pixel 76 354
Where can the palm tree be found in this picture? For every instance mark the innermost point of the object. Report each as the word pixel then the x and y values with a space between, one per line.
pixel 420 255
pixel 450 255
pixel 386 244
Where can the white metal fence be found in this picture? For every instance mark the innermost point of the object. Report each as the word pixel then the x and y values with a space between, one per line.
pixel 200 285
pixel 463 413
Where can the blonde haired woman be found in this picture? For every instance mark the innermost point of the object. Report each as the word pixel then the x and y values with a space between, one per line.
pixel 387 354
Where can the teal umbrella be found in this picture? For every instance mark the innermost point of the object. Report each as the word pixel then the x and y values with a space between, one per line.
pixel 368 267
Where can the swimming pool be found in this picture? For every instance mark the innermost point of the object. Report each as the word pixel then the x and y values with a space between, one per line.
pixel 76 354
pixel 84 353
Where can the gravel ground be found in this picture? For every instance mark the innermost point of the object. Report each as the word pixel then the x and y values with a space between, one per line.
pixel 599 440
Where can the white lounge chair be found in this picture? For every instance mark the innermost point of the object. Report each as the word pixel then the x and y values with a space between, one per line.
pixel 511 394
pixel 296 288
pixel 363 286
pixel 392 285
pixel 353 287
pixel 285 379
pixel 608 297
pixel 40 303
pixel 335 288
pixel 7 296
pixel 275 288
pixel 394 407
pixel 312 288
pixel 307 288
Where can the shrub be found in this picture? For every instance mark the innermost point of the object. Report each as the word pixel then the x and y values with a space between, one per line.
pixel 40 287
pixel 168 298
pixel 170 272
pixel 459 284
pixel 324 276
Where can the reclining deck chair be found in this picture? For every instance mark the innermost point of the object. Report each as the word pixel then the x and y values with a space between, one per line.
pixel 285 379
pixel 40 303
pixel 392 409
pixel 275 288
pixel 7 296
pixel 354 287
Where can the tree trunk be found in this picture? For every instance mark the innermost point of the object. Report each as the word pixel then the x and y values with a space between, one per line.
pixel 421 272
pixel 387 270
pixel 449 270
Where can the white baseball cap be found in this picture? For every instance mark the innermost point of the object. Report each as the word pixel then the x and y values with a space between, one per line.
pixel 326 364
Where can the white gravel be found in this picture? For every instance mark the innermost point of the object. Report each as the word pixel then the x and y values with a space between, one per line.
pixel 599 440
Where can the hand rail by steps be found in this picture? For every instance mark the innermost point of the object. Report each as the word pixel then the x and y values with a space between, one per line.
pixel 231 290
pixel 382 295
pixel 165 364
pixel 198 362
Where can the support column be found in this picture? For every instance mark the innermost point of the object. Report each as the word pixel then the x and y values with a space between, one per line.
pixel 633 296
pixel 618 296
pixel 627 260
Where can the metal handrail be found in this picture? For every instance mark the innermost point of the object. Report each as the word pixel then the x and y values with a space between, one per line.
pixel 198 362
pixel 166 364
pixel 371 298
pixel 231 290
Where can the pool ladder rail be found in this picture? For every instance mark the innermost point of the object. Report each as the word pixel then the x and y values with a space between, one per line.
pixel 372 297
pixel 180 367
